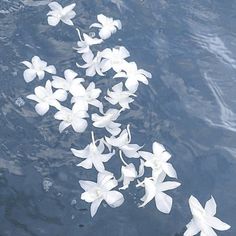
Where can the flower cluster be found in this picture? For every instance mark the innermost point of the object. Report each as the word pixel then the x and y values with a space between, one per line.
pixel 118 141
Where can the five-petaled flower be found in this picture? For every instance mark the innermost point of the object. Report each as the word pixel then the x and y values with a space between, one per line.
pixel 58 13
pixel 155 188
pixel 133 75
pixel 114 59
pixel 46 97
pixel 158 161
pixel 107 26
pixel 95 193
pixel 85 43
pixel 86 96
pixel 93 155
pixel 119 96
pixel 204 219
pixel 68 83
pixel 92 64
pixel 107 121
pixel 74 117
pixel 38 68
pixel 123 143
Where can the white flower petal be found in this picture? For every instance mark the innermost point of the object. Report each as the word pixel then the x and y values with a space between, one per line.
pixel 29 75
pixel 114 198
pixel 192 229
pixel 210 207
pixel 79 125
pixel 53 21
pixel 94 206
pixel 163 202
pixel 42 108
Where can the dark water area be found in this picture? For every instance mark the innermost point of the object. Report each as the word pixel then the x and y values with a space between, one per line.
pixel 189 106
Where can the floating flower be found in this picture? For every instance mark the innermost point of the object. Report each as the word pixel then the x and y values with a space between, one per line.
pixel 74 117
pixel 58 13
pixel 129 173
pixel 107 121
pixel 38 68
pixel 123 143
pixel 114 58
pixel 84 44
pixel 133 75
pixel 95 193
pixel 93 155
pixel 46 98
pixel 155 189
pixel 158 161
pixel 83 97
pixel 92 65
pixel 118 96
pixel 204 219
pixel 67 83
pixel 107 26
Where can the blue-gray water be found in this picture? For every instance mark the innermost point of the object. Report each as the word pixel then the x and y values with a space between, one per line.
pixel 190 106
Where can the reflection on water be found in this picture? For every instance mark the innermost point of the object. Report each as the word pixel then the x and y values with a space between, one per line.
pixel 190 107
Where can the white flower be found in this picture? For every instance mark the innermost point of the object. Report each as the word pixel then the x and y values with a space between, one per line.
pixel 114 58
pixel 84 44
pixel 92 63
pixel 155 189
pixel 58 13
pixel 123 143
pixel 37 68
pixel 107 26
pixel 107 121
pixel 83 97
pixel 129 173
pixel 93 155
pixel 67 83
pixel 133 75
pixel 46 97
pixel 74 117
pixel 95 193
pixel 158 161
pixel 204 219
pixel 118 96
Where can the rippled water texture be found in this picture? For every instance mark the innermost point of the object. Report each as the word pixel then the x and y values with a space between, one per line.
pixel 190 107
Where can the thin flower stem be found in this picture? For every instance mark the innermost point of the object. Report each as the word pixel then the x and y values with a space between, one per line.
pixel 79 34
pixel 93 139
pixel 129 134
pixel 122 159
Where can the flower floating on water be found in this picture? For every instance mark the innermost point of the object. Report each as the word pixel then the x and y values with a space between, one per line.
pixel 158 161
pixel 92 64
pixel 83 97
pixel 58 13
pixel 119 96
pixel 68 83
pixel 129 173
pixel 95 193
pixel 107 26
pixel 74 117
pixel 123 143
pixel 155 188
pixel 46 98
pixel 98 63
pixel 93 155
pixel 133 75
pixel 204 219
pixel 107 121
pixel 84 44
pixel 38 68
pixel 114 59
